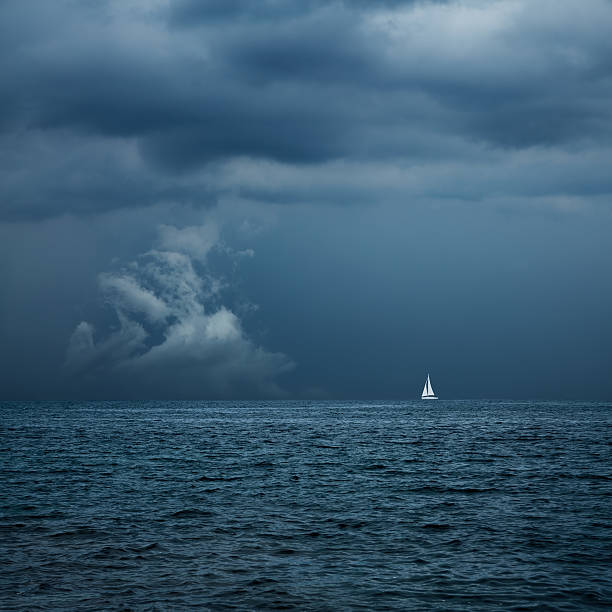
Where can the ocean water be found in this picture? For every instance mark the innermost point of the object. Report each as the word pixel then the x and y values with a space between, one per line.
pixel 467 505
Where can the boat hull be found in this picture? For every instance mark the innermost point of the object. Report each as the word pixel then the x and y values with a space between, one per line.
pixel 428 397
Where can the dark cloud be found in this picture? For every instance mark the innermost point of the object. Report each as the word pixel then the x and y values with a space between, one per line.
pixel 196 12
pixel 190 13
pixel 297 82
pixel 322 48
pixel 293 139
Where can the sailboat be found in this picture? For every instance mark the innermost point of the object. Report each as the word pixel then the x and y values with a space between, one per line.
pixel 428 392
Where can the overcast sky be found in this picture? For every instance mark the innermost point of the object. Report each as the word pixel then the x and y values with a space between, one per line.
pixel 306 199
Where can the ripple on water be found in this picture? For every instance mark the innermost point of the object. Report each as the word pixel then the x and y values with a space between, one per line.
pixel 317 505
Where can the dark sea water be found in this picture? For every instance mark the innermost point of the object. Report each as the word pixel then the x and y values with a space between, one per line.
pixel 468 505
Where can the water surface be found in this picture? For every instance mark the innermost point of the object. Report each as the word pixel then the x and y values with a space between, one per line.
pixel 469 505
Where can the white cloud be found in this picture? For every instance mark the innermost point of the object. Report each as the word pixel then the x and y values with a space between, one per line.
pixel 172 339
pixel 195 241
pixel 126 293
pixel 496 41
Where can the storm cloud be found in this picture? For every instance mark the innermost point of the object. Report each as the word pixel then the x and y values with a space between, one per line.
pixel 147 116
pixel 129 104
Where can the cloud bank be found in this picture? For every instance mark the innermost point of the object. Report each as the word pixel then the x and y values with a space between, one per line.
pixel 120 104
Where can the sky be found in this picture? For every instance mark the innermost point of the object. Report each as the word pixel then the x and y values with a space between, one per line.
pixel 309 199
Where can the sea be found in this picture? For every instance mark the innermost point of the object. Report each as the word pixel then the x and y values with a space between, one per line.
pixel 300 505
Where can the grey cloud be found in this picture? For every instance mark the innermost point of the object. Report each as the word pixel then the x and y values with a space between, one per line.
pixel 196 12
pixel 190 13
pixel 112 107
pixel 325 46
pixel 532 173
pixel 44 174
pixel 294 138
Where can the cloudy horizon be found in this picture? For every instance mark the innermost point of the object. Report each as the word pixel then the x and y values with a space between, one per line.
pixel 305 199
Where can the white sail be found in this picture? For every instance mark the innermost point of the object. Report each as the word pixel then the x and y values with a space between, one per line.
pixel 425 390
pixel 428 392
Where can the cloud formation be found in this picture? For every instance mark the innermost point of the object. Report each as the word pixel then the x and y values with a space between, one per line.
pixel 117 104
pixel 172 335
pixel 413 162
